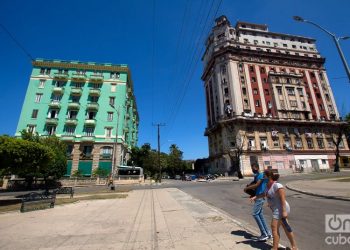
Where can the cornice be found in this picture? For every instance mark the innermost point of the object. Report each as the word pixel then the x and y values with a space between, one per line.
pixel 111 68
pixel 262 57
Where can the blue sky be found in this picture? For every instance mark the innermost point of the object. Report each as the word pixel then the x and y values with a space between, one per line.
pixel 125 32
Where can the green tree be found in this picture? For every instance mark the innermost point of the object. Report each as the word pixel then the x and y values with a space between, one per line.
pixel 24 158
pixel 175 163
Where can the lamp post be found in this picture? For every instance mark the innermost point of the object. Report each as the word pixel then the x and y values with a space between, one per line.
pixel 116 142
pixel 335 39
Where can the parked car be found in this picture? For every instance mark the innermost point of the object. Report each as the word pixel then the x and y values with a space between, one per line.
pixel 188 177
pixel 177 177
pixel 210 177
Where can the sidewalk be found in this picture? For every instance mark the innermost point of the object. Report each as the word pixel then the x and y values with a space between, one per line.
pixel 327 188
pixel 147 219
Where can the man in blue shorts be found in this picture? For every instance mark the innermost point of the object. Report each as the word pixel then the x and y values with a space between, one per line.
pixel 259 186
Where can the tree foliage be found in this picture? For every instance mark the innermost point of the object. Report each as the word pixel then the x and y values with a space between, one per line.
pixel 147 158
pixel 32 156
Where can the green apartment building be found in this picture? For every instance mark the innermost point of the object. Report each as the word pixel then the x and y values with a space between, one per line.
pixel 90 106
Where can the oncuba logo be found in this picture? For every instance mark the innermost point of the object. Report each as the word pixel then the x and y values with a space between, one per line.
pixel 336 224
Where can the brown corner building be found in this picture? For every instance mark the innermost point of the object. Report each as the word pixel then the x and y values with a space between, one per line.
pixel 268 95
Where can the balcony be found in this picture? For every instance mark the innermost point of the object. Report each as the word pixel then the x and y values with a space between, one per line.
pixel 79 77
pixel 92 106
pixel 67 137
pixel 94 92
pixel 74 105
pixel 90 122
pixel 76 91
pixel 52 121
pixel 58 90
pixel 71 121
pixel 61 76
pixel 96 78
pixel 88 138
pixel 55 104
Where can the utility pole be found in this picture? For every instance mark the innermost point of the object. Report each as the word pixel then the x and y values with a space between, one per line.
pixel 159 166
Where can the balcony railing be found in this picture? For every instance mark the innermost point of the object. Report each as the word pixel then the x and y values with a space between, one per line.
pixel 94 92
pixel 58 90
pixel 90 122
pixel 88 138
pixel 53 121
pixel 79 77
pixel 92 106
pixel 76 91
pixel 55 104
pixel 71 121
pixel 73 105
pixel 96 78
pixel 61 76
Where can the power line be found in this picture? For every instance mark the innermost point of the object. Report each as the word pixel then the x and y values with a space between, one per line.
pixel 193 70
pixel 16 42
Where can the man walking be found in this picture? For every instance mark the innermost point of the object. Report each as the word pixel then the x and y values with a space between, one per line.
pixel 259 186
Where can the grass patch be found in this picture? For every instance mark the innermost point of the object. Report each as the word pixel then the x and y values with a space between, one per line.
pixel 64 201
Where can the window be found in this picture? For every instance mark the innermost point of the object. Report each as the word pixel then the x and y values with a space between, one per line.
pixel 263 143
pixel 45 71
pixel 35 114
pixel 115 75
pixel 69 130
pixel 87 150
pixel 244 91
pixel 327 97
pixel 251 68
pixel 53 113
pixel 330 143
pixel 240 67
pixel 245 40
pixel 75 98
pixel 321 107
pixel 255 91
pixel 78 84
pixel 309 143
pixel 106 151
pixel 320 143
pixel 253 79
pixel 97 85
pixel 300 91
pixel 31 128
pixel 285 45
pixel 294 46
pixel 318 95
pixel 275 142
pixel 257 103
pixel 293 104
pixel 56 98
pixel 94 98
pixel 42 84
pixel 266 91
pixel 223 69
pixel 303 104
pixel 91 115
pixel 255 42
pixel 72 114
pixel 245 103
pixel 251 143
pixel 38 97
pixel 110 116
pixel 275 44
pixel 298 143
pixel 290 91
pixel 279 90
pixel 108 132
pixel 89 131
pixel 111 100
pixel 51 130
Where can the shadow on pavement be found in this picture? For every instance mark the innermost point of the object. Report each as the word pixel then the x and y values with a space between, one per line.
pixel 248 236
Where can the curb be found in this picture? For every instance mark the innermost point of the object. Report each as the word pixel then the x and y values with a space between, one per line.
pixel 317 195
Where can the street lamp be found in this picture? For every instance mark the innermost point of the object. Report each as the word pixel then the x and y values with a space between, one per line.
pixel 335 39
pixel 116 142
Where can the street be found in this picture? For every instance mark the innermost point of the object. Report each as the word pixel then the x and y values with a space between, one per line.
pixel 307 216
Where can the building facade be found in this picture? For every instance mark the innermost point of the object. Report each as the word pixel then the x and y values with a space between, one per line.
pixel 89 106
pixel 268 101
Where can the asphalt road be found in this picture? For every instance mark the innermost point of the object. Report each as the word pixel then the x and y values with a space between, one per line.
pixel 307 216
